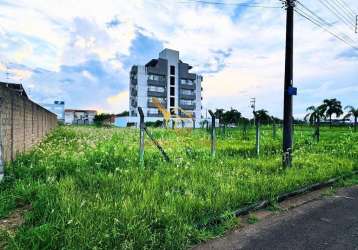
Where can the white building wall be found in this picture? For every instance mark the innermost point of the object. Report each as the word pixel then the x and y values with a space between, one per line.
pixel 142 97
pixel 198 97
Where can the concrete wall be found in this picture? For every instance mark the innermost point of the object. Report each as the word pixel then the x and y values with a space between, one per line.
pixel 23 123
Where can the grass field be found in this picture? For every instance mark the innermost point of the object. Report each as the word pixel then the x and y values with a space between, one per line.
pixel 87 190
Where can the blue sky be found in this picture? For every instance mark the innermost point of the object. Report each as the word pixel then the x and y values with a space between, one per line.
pixel 81 51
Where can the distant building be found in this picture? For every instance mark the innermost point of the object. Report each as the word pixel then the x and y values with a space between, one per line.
pixel 170 81
pixel 79 117
pixel 58 107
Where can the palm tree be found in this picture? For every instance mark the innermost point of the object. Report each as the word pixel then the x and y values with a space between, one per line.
pixel 352 112
pixel 333 106
pixel 262 116
pixel 314 117
pixel 315 114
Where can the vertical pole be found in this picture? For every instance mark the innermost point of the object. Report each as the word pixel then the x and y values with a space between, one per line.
pixel 141 136
pixel 287 113
pixel 356 23
pixel 257 137
pixel 24 117
pixel 213 134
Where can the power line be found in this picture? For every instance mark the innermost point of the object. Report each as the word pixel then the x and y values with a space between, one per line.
pixel 344 3
pixel 325 29
pixel 344 9
pixel 336 13
pixel 309 13
pixel 249 5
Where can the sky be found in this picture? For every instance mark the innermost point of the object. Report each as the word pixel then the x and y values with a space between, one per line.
pixel 81 51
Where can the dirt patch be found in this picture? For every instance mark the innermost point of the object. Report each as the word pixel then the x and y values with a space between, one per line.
pixel 9 224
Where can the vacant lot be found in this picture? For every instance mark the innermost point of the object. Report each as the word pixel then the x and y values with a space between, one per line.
pixel 85 189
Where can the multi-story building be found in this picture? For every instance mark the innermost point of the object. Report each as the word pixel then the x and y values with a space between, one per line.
pixel 169 80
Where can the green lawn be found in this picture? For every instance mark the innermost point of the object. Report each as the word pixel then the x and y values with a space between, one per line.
pixel 87 190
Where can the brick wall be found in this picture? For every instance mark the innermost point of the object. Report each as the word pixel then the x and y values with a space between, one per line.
pixel 23 123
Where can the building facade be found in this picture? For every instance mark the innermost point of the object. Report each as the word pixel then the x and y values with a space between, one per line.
pixel 58 108
pixel 170 81
pixel 79 117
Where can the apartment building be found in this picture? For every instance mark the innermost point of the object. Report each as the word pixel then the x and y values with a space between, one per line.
pixel 79 116
pixel 170 81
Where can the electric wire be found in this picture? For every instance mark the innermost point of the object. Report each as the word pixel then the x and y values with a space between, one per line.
pixel 249 5
pixel 337 14
pixel 341 11
pixel 344 9
pixel 321 21
pixel 325 29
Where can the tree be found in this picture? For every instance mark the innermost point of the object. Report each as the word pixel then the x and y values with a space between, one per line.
pixel 314 117
pixel 333 106
pixel 352 112
pixel 102 119
pixel 219 114
pixel 124 113
pixel 232 116
pixel 262 116
pixel 315 114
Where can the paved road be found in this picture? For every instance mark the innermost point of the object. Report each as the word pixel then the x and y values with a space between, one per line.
pixel 327 223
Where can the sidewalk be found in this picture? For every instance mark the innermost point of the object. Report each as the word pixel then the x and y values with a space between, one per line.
pixel 329 222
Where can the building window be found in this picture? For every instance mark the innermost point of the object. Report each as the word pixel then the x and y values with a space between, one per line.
pixel 156 89
pixel 172 91
pixel 187 81
pixel 187 92
pixel 172 101
pixel 172 70
pixel 172 80
pixel 153 111
pixel 187 102
pixel 155 77
pixel 162 100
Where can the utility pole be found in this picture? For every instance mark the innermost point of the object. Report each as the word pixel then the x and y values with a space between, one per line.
pixel 288 87
pixel 356 24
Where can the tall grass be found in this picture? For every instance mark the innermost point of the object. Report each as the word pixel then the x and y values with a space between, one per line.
pixel 87 190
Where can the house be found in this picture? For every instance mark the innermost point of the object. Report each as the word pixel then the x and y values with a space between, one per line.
pixel 79 116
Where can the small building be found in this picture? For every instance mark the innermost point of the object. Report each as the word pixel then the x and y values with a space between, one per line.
pixel 79 116
pixel 57 107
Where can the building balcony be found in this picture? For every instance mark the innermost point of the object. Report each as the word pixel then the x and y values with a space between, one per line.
pixel 157 83
pixel 187 97
pixel 152 105
pixel 157 94
pixel 187 86
pixel 188 107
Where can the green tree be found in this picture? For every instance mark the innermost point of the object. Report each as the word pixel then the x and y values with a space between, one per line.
pixel 315 114
pixel 352 112
pixel 219 114
pixel 333 106
pixel 262 116
pixel 232 116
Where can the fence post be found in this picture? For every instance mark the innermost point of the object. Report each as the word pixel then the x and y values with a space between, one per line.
pixel 274 130
pixel 257 136
pixel 193 123
pixel 213 134
pixel 141 135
